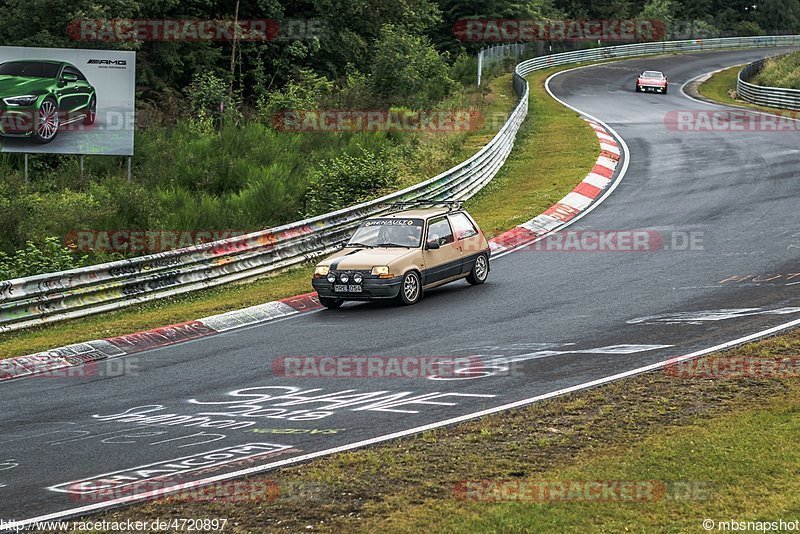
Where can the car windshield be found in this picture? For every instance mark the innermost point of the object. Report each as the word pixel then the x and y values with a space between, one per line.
pixel 30 69
pixel 388 232
pixel 652 74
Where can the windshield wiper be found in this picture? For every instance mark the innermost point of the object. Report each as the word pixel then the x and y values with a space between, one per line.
pixel 392 245
pixel 359 245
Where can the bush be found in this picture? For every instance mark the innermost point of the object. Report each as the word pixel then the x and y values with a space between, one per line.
pixel 353 92
pixel 347 179
pixel 465 70
pixel 209 96
pixel 780 72
pixel 303 93
pixel 408 71
pixel 35 259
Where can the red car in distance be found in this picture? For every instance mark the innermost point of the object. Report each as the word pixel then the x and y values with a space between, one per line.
pixel 652 80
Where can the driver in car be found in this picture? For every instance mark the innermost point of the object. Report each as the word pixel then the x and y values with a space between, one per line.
pixel 403 235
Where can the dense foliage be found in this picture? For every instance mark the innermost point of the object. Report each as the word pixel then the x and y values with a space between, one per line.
pixel 207 153
pixel 360 35
pixel 780 72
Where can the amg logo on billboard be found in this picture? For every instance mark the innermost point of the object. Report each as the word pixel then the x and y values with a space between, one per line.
pixel 118 62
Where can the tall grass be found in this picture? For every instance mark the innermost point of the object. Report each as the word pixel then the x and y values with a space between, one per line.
pixel 239 177
pixel 780 72
pixel 194 176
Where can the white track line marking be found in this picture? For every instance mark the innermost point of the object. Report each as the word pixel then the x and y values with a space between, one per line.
pixel 372 441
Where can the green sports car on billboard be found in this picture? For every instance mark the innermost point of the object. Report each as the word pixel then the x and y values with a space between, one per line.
pixel 37 98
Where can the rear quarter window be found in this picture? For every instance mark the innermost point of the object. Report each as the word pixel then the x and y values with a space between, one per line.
pixel 462 226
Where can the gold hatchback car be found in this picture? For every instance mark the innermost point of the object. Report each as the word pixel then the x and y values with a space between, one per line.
pixel 403 253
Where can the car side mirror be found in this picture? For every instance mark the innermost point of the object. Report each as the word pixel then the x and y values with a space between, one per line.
pixel 68 78
pixel 432 245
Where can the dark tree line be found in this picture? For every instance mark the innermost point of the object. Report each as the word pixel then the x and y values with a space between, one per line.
pixel 362 40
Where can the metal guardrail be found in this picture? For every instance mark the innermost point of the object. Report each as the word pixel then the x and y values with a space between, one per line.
pixel 100 288
pixel 660 47
pixel 774 97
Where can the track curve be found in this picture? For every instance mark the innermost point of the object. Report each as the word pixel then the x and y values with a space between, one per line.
pixel 544 322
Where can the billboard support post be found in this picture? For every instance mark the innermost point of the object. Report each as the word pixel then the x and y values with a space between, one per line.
pixel 480 66
pixel 129 168
pixel 26 168
pixel 81 166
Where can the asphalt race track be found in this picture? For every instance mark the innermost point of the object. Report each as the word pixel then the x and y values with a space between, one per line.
pixel 544 321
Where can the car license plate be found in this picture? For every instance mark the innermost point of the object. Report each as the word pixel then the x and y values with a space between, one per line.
pixel 341 288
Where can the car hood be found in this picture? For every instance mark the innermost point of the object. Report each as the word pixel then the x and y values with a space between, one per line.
pixel 21 85
pixel 365 258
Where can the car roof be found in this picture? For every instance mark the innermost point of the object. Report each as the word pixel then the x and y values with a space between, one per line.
pixel 37 61
pixel 420 213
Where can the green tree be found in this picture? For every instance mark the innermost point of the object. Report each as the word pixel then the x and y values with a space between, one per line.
pixel 778 16
pixel 209 97
pixel 354 26
pixel 661 10
pixel 455 10
pixel 407 70
pixel 305 92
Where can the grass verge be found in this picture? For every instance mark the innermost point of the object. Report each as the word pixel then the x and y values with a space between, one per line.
pixel 721 87
pixel 781 71
pixel 724 448
pixel 554 151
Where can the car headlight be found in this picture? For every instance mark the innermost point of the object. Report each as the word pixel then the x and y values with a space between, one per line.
pixel 344 277
pixel 331 278
pixel 24 100
pixel 322 270
pixel 358 278
pixel 382 271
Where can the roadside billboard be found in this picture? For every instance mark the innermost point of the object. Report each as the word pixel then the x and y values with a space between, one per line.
pixel 67 101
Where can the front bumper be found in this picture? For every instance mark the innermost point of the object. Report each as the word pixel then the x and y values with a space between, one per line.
pixel 645 87
pixel 371 289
